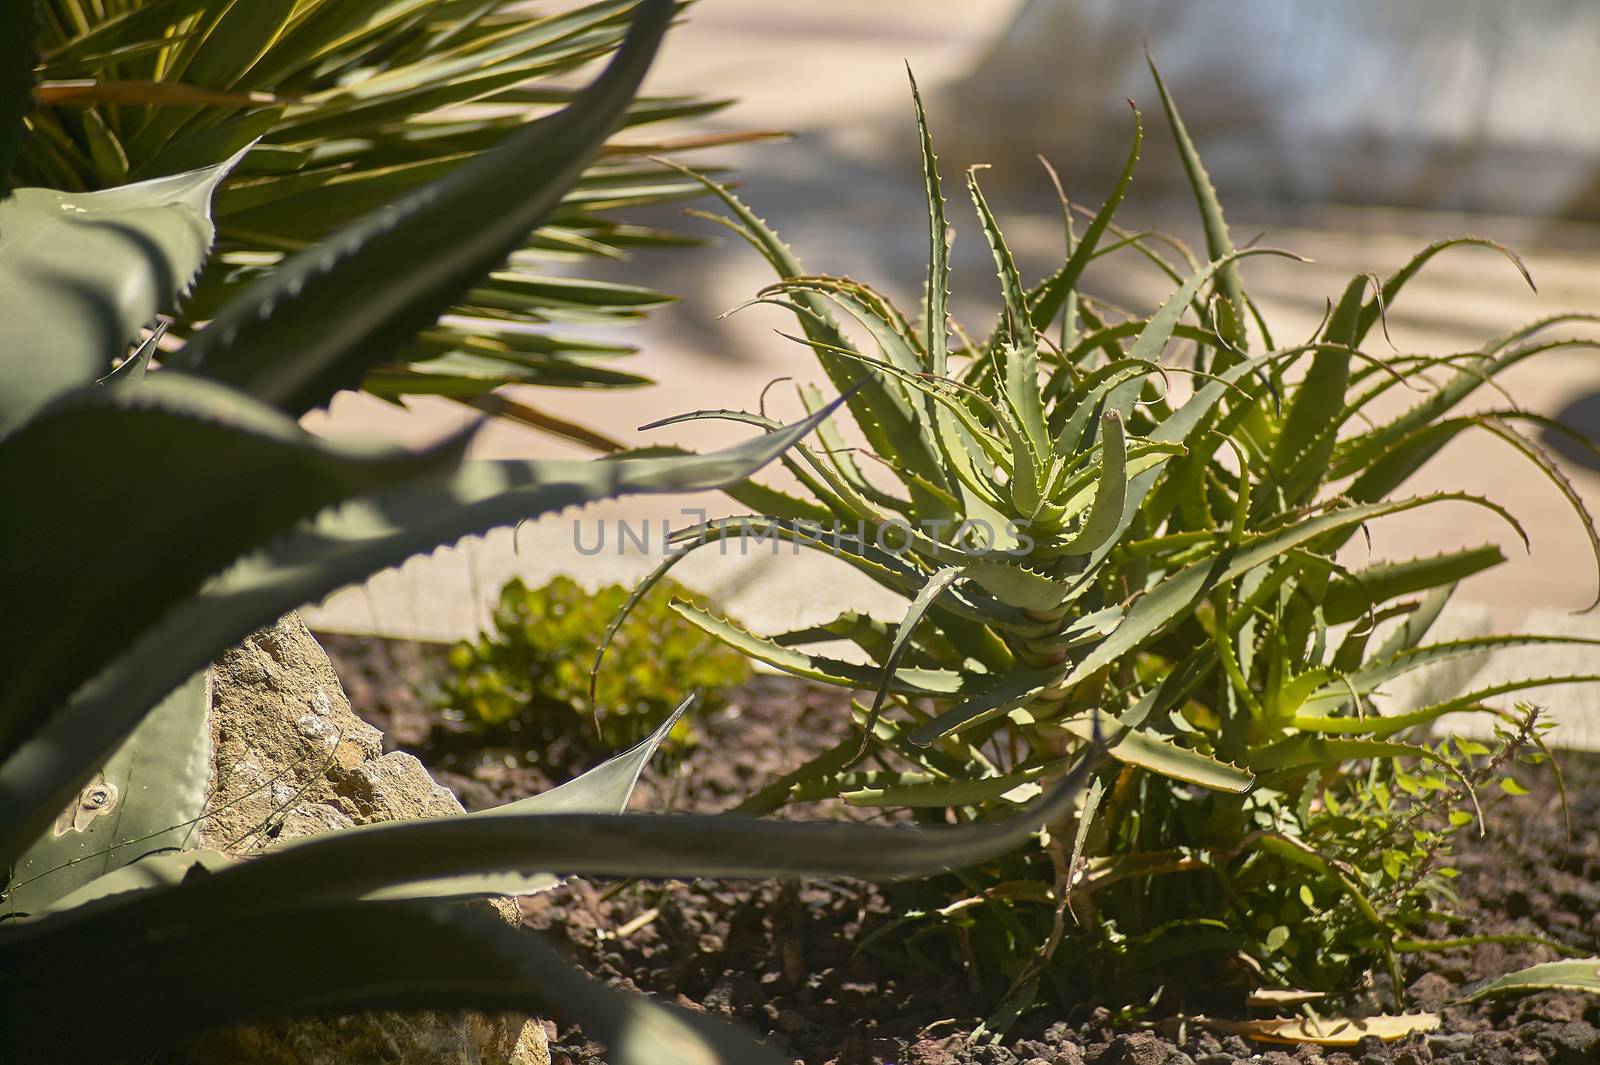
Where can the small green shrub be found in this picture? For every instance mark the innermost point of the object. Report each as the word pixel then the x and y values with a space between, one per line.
pixel 530 672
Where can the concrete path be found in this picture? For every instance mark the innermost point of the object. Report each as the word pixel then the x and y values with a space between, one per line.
pixel 847 192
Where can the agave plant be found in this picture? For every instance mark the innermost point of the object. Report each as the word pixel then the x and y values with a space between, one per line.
pixel 348 104
pixel 1076 532
pixel 224 514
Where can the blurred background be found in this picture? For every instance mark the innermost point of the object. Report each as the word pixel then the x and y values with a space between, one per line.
pixel 1353 133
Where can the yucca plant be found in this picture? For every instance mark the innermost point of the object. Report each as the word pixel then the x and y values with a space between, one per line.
pixel 346 104
pixel 1091 513
pixel 155 518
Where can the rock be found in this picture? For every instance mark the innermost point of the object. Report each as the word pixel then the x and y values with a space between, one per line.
pixel 1431 991
pixel 1143 1048
pixel 291 759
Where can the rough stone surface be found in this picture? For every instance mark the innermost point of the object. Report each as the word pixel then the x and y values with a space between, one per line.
pixel 290 759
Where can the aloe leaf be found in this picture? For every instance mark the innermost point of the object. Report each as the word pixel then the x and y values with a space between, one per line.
pixel 935 587
pixel 887 420
pixel 1574 974
pixel 1350 598
pixel 1219 246
pixel 816 667
pixel 1374 309
pixel 1099 526
pixel 1020 372
pixel 1176 594
pixel 1385 668
pixel 1297 752
pixel 1014 689
pixel 1379 726
pixel 1304 447
pixel 148 797
pixel 341 959
pixel 1047 299
pixel 936 314
pixel 937 793
pixel 322 318
pixel 605 789
pixel 321 555
pixel 1158 331
pixel 134 457
pixel 1017 585
pixel 17 61
pixel 1414 629
pixel 1142 748
pixel 81 272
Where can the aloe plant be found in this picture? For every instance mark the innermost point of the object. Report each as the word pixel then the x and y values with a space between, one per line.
pixel 1077 532
pixel 164 514
pixel 344 105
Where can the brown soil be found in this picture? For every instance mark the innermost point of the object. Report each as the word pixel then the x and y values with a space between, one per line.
pixel 783 958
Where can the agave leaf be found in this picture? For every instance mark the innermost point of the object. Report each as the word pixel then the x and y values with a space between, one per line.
pixel 149 797
pixel 132 369
pixel 605 789
pixel 339 867
pixel 163 870
pixel 320 556
pixel 1574 974
pixel 80 273
pixel 134 457
pixel 327 314
pixel 340 959
pixel 17 61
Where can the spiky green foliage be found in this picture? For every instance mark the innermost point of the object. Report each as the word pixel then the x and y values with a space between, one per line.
pixel 162 516
pixel 344 105
pixel 528 673
pixel 1141 517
